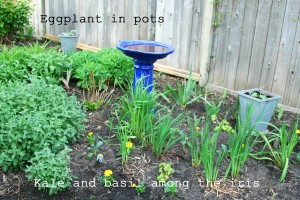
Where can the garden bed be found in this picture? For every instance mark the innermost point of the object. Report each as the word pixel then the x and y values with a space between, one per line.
pixel 258 179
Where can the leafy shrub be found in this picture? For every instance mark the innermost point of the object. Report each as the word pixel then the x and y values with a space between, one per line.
pixel 35 115
pixel 120 67
pixel 107 65
pixel 18 63
pixel 14 17
pixel 50 171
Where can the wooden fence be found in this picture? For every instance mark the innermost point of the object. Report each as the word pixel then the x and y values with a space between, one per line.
pixel 258 45
pixel 254 43
pixel 181 27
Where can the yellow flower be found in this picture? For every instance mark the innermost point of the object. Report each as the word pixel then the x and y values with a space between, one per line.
pixel 108 172
pixel 243 145
pixel 197 128
pixel 129 145
pixel 133 185
pixel 298 131
pixel 90 134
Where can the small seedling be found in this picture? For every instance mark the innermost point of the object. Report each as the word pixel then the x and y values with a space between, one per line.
pixel 93 145
pixel 140 188
pixel 225 127
pixel 71 33
pixel 165 170
pixel 171 188
pixel 258 95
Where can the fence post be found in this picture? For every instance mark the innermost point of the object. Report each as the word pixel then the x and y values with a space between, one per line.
pixel 43 11
pixel 206 38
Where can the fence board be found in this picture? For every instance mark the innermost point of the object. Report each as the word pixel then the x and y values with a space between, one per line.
pixel 195 36
pixel 286 46
pixel 292 86
pixel 259 43
pixel 222 42
pixel 246 44
pixel 272 45
pixel 234 43
pixel 263 48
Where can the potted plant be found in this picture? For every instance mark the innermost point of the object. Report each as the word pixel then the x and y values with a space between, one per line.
pixel 68 41
pixel 261 105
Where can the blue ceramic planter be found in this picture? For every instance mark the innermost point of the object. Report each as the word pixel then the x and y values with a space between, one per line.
pixel 144 53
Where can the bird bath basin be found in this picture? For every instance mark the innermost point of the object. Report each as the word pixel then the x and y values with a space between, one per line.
pixel 144 53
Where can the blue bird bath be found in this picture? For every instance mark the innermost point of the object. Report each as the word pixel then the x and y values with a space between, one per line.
pixel 144 53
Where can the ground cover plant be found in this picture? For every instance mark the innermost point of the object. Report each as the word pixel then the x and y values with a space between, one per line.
pixel 20 62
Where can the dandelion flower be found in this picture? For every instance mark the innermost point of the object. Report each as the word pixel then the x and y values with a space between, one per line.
pixel 197 128
pixel 243 145
pixel 129 145
pixel 90 134
pixel 298 131
pixel 133 185
pixel 108 172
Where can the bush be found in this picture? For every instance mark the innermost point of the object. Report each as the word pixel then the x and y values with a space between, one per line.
pixel 50 171
pixel 107 66
pixel 14 18
pixel 18 63
pixel 35 115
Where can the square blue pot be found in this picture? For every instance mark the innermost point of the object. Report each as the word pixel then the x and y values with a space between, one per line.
pixel 68 43
pixel 261 109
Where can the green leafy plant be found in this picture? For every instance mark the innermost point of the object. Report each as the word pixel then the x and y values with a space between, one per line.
pixel 241 144
pixel 70 33
pixel 225 127
pixel 258 95
pixel 279 155
pixel 90 75
pixel 95 99
pixel 93 145
pixel 140 189
pixel 32 115
pixel 279 111
pixel 50 170
pixel 15 19
pixel 124 136
pixel 165 132
pixel 165 170
pixel 209 149
pixel 171 188
pixel 213 108
pixel 108 66
pixel 184 94
pixel 194 141
pixel 136 108
pixel 19 63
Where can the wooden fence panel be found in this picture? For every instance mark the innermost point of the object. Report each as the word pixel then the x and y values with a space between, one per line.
pixel 255 45
pixel 264 52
